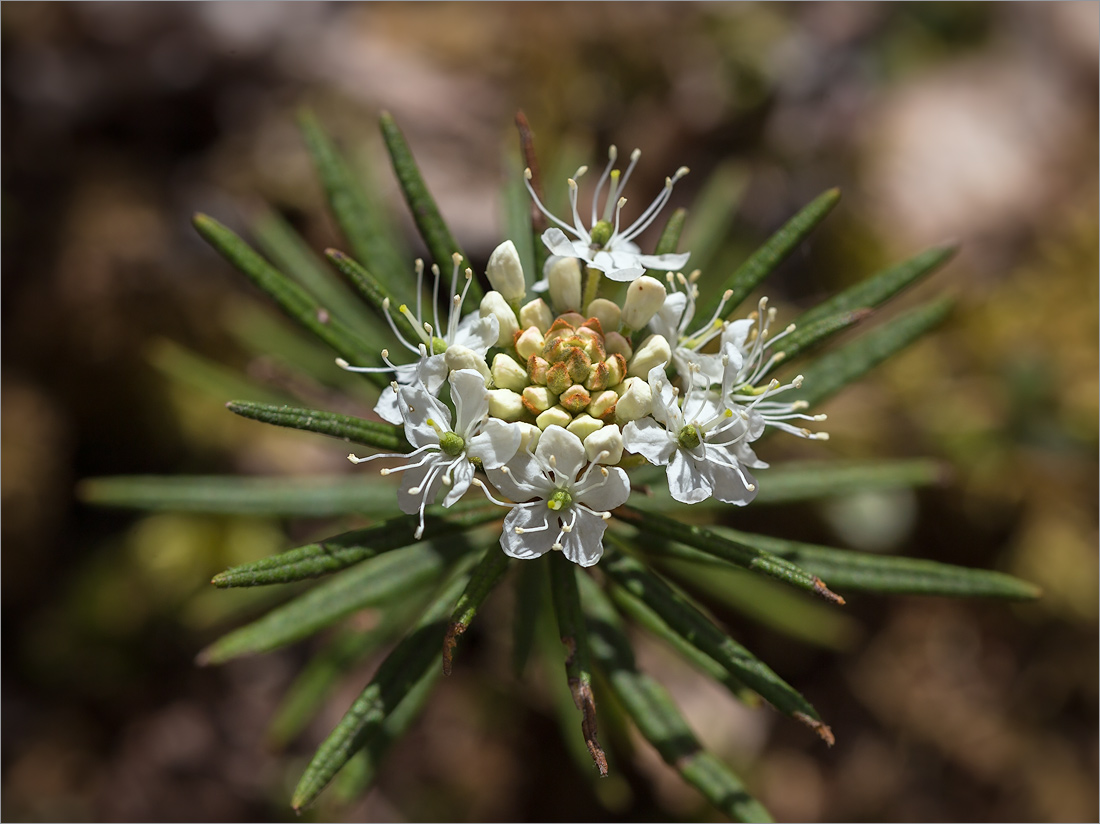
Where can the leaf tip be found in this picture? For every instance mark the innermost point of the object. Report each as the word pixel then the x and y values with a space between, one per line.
pixel 820 727
pixel 450 641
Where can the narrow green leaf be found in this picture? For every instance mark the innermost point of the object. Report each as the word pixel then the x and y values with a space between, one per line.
pixel 376 293
pixel 384 436
pixel 810 335
pixel 316 682
pixel 655 714
pixel 529 591
pixel 412 661
pixel 300 496
pixel 349 548
pixel 670 235
pixel 775 249
pixel 578 668
pixel 835 370
pixel 429 221
pixel 886 573
pixel 686 621
pixel 880 287
pixel 289 252
pixel 740 554
pixel 377 581
pixel 362 219
pixel 291 298
pixel 485 577
pixel 640 613
pixel 517 221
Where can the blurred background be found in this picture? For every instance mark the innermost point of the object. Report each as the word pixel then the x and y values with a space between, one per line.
pixel 967 122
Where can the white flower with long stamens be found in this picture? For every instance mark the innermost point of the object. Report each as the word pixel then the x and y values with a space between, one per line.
pixel 746 362
pixel 445 457
pixel 473 332
pixel 703 444
pixel 604 245
pixel 559 506
pixel 674 320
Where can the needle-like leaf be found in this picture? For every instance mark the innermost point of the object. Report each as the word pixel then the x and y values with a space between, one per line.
pixel 384 436
pixel 485 577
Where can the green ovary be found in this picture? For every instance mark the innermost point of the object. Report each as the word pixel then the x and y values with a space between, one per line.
pixel 689 437
pixel 559 500
pixel 452 444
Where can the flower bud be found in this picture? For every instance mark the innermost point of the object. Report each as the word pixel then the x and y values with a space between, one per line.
pixel 554 416
pixel 643 298
pixel 579 365
pixel 537 399
pixel 529 436
pixel 654 351
pixel 599 377
pixel 603 404
pixel 575 398
pixel 536 313
pixel 607 439
pixel 458 356
pixel 507 374
pixel 536 369
pixel 592 342
pixel 615 343
pixel 557 378
pixel 494 304
pixel 506 405
pixel 616 369
pixel 583 426
pixel 635 400
pixel 564 278
pixel 607 312
pixel 529 342
pixel 505 273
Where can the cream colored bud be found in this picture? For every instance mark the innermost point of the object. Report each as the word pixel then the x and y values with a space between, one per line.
pixel 507 374
pixel 554 416
pixel 505 273
pixel 538 399
pixel 530 342
pixel 644 297
pixel 564 278
pixel 458 356
pixel 575 398
pixel 583 426
pixel 536 313
pixel 494 304
pixel 506 405
pixel 607 312
pixel 635 400
pixel 602 403
pixel 615 343
pixel 616 369
pixel 529 436
pixel 607 439
pixel 654 351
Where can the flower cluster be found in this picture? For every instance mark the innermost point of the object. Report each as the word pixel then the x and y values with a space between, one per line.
pixel 556 396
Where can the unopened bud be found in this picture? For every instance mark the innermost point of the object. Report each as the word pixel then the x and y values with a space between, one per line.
pixel 494 304
pixel 536 369
pixel 536 313
pixel 643 298
pixel 607 439
pixel 564 278
pixel 529 342
pixel 506 405
pixel 554 416
pixel 635 400
pixel 607 312
pixel 579 365
pixel 615 343
pixel 654 351
pixel 557 378
pixel 529 436
pixel 603 404
pixel 507 374
pixel 505 273
pixel 599 377
pixel 575 398
pixel 583 426
pixel 537 399
pixel 458 356
pixel 616 369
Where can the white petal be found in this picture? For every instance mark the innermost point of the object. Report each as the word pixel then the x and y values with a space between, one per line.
pixel 604 493
pixel 668 318
pixel 524 479
pixel 565 448
pixel 461 473
pixel 737 332
pixel 686 482
pixel 388 407
pixel 410 502
pixel 584 543
pixel 665 408
pixel 471 399
pixel 666 263
pixel 417 408
pixel 726 481
pixel 529 544
pixel 649 439
pixel 432 372
pixel 559 244
pixel 496 443
pixel 477 333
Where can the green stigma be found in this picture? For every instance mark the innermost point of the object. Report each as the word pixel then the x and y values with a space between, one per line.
pixel 439 346
pixel 689 437
pixel 451 444
pixel 559 500
pixel 601 233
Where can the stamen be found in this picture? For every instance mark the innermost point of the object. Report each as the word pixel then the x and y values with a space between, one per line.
pixel 531 191
pixel 612 155
pixel 480 485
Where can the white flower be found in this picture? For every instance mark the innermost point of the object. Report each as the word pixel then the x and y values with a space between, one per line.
pixel 472 332
pixel 605 246
pixel 703 444
pixel 444 456
pixel 558 506
pixel 675 317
